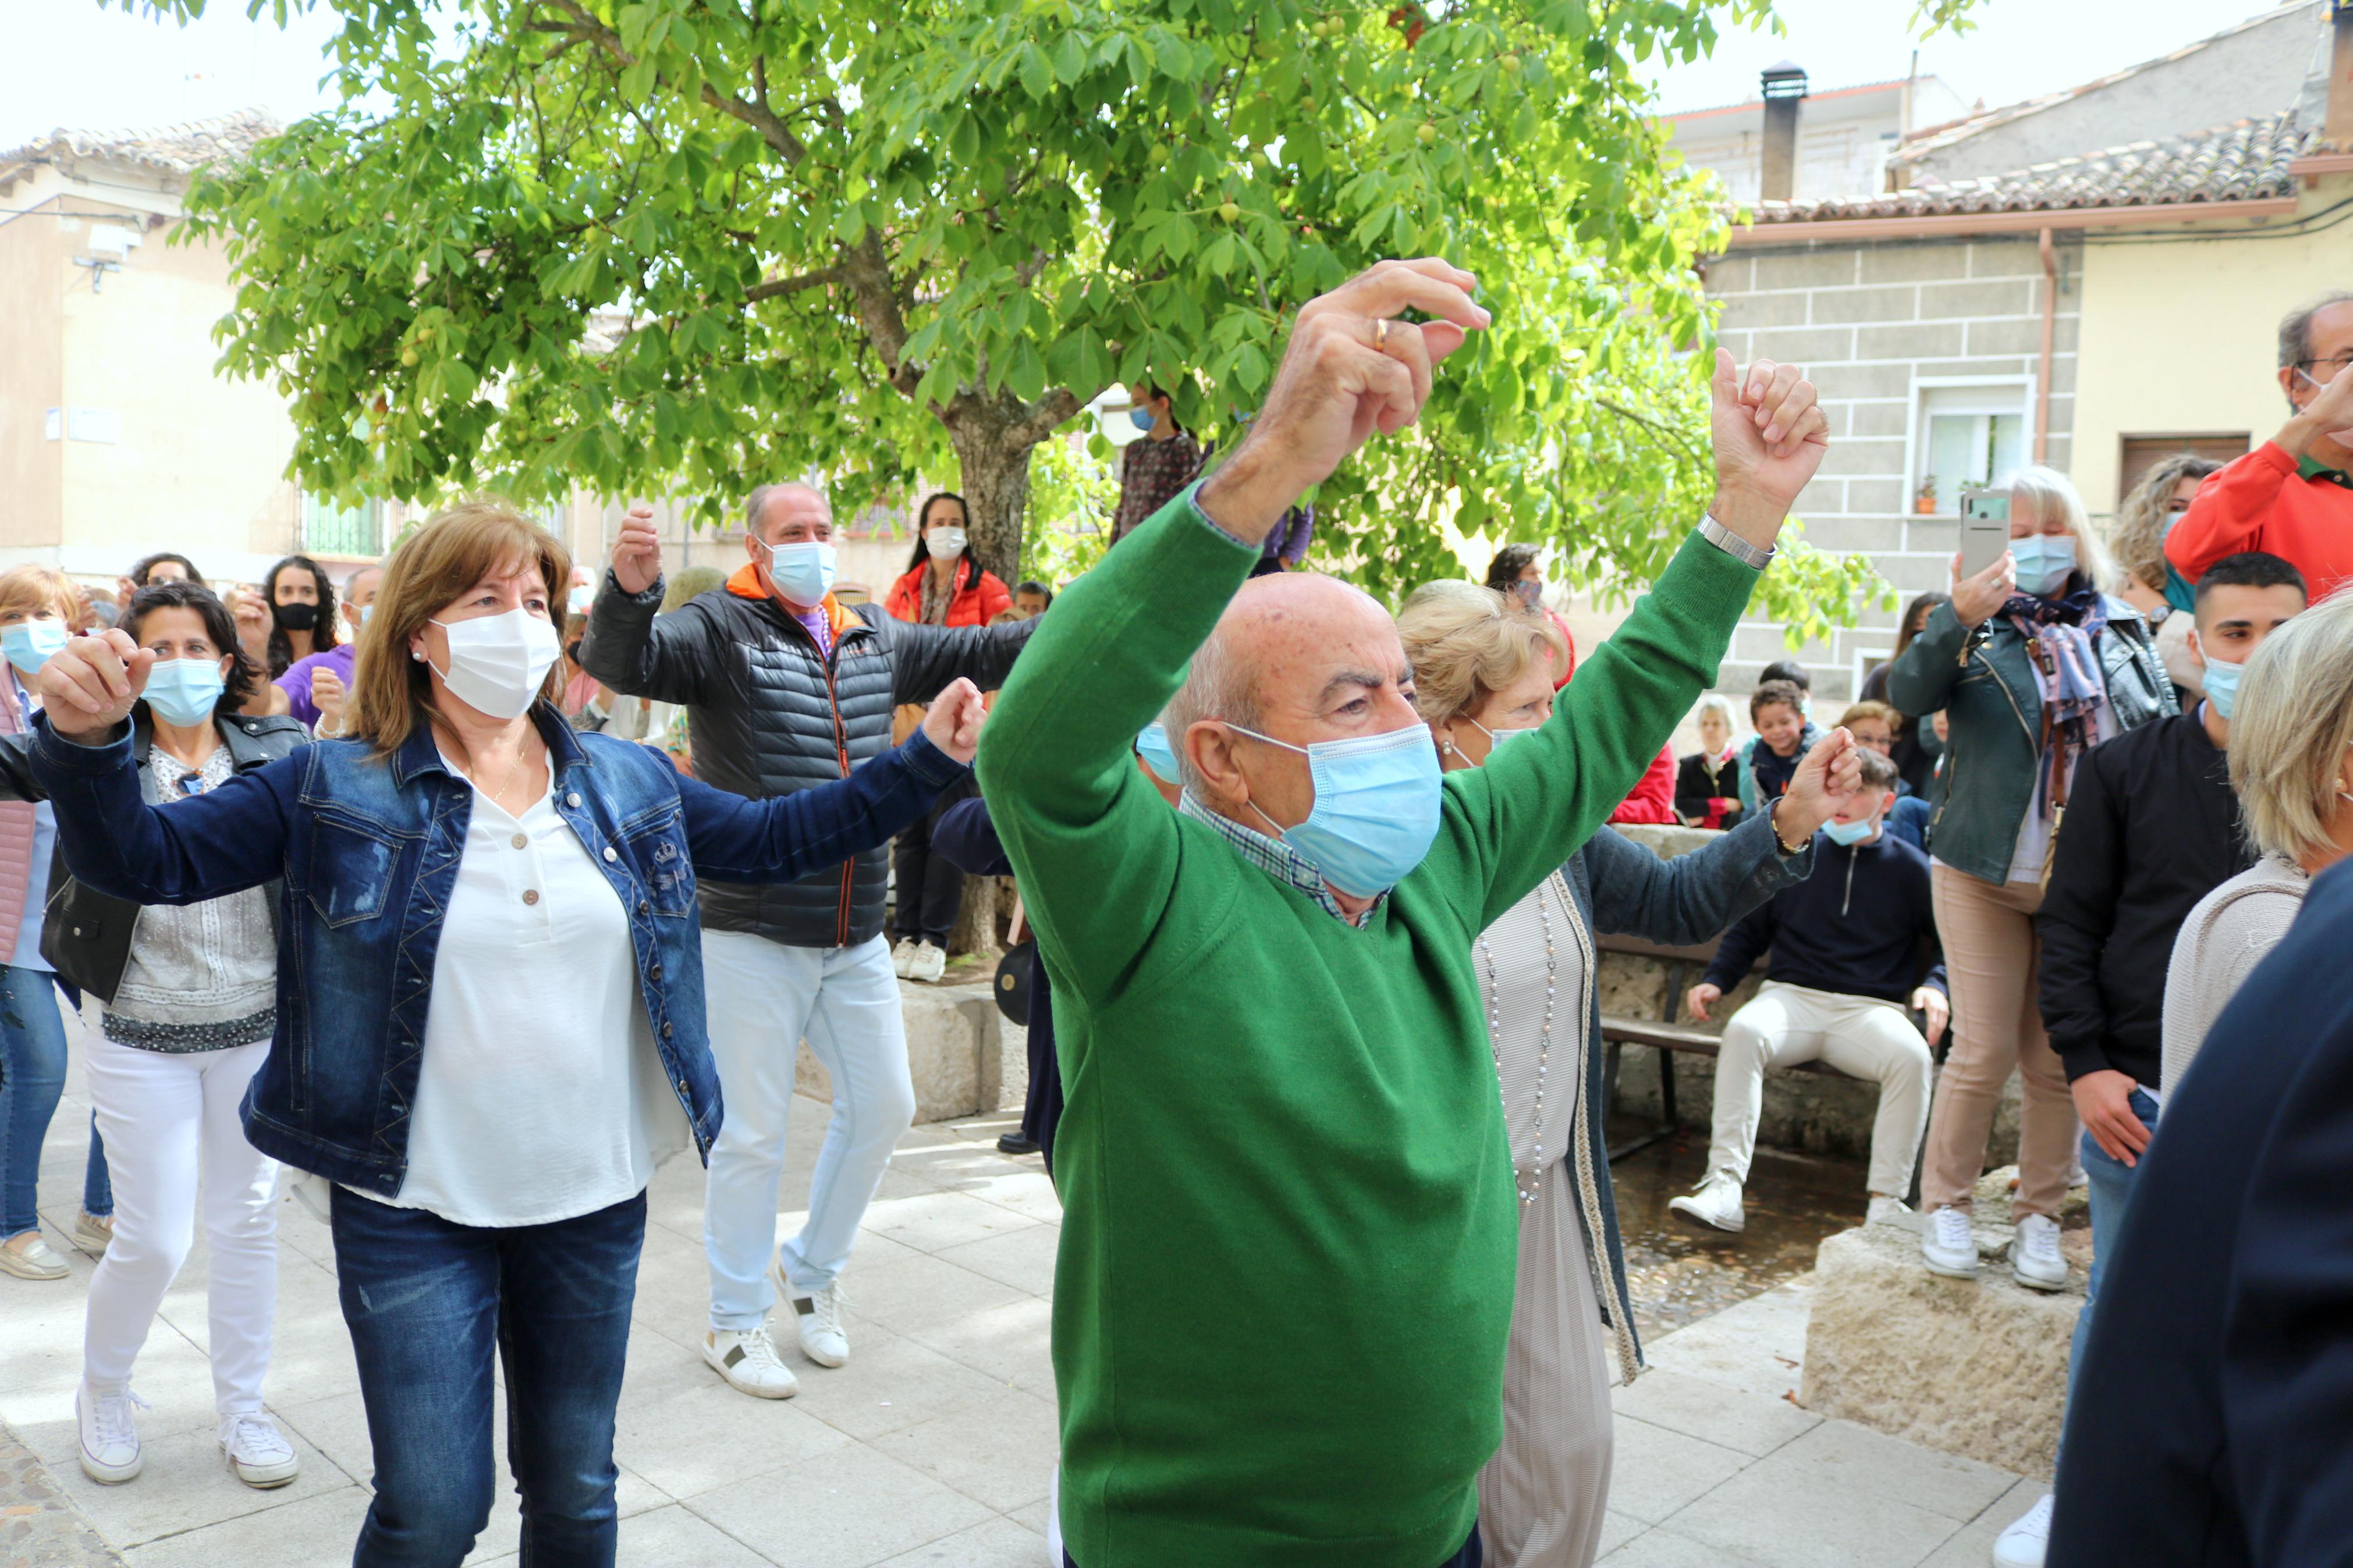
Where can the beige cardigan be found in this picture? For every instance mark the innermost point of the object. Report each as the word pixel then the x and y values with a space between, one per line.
pixel 2225 936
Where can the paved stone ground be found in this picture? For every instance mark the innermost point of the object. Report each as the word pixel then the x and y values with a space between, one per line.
pixel 935 1446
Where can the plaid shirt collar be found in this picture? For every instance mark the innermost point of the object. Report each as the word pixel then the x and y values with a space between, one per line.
pixel 1275 858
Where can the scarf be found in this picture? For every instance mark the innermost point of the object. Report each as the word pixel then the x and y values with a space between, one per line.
pixel 2061 638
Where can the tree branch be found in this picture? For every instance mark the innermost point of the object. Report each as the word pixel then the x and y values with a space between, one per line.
pixel 867 271
pixel 1682 443
pixel 758 116
pixel 798 282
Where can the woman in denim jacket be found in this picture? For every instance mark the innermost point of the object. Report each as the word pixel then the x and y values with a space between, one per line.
pixel 490 1002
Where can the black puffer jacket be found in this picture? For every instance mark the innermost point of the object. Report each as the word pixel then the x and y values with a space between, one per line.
pixel 767 714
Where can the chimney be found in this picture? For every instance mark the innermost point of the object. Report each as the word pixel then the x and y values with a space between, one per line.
pixel 1785 85
pixel 2336 127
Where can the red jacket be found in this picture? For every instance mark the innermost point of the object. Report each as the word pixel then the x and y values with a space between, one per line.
pixel 1654 799
pixel 975 604
pixel 2260 502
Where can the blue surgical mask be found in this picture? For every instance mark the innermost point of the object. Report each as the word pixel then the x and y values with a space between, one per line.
pixel 1851 833
pixel 802 573
pixel 582 600
pixel 184 691
pixel 1142 418
pixel 1376 808
pixel 28 644
pixel 2221 681
pixel 2044 561
pixel 365 611
pixel 1154 747
pixel 1495 738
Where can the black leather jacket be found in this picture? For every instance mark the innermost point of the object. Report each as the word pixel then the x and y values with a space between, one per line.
pixel 768 715
pixel 86 934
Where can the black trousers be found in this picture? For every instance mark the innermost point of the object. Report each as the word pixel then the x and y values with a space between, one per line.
pixel 1470 1556
pixel 930 888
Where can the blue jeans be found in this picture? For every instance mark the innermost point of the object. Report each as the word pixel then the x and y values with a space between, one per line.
pixel 32 1077
pixel 2111 1182
pixel 427 1303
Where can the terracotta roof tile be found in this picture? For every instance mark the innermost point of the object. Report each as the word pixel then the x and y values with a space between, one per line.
pixel 174 149
pixel 2245 160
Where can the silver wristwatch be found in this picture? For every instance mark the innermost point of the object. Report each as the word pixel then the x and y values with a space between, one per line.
pixel 1732 544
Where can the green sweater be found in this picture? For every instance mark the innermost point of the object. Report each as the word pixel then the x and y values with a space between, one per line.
pixel 1289 1238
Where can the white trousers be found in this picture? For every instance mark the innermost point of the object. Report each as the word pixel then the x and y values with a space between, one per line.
pixel 174 1146
pixel 764 998
pixel 1860 1035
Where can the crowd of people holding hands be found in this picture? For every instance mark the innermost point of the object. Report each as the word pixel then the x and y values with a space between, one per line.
pixel 456 893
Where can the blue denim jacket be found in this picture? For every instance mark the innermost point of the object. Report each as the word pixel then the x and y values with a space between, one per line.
pixel 368 850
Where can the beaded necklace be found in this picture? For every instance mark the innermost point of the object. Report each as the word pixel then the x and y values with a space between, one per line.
pixel 1526 1179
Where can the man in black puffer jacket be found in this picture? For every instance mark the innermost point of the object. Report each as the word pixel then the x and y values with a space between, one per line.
pixel 785 688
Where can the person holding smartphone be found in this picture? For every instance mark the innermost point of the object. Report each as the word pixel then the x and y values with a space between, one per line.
pixel 2033 664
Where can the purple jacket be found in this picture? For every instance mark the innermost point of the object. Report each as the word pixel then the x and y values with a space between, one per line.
pixel 296 681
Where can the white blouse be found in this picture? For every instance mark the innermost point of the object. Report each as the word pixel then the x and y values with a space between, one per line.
pixel 541 1096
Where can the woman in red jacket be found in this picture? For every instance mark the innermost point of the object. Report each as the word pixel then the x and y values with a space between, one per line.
pixel 944 585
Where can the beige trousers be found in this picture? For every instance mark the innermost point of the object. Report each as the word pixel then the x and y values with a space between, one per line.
pixel 1990 961
pixel 1860 1035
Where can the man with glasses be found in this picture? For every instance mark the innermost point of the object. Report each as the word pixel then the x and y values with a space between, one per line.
pixel 2293 496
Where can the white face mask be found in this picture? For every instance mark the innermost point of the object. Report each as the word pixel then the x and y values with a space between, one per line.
pixel 945 543
pixel 498 662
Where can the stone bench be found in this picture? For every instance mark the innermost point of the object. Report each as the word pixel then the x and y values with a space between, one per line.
pixel 965 1057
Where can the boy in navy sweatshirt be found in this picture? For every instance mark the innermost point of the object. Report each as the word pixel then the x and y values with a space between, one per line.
pixel 1846 970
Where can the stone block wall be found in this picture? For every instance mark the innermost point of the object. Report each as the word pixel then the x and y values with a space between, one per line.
pixel 1868 321
pixel 959 1050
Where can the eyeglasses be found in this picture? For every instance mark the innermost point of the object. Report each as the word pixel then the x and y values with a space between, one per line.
pixel 2335 366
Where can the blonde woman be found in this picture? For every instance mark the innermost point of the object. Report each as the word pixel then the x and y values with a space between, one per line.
pixel 2292 765
pixel 489 1025
pixel 2032 665
pixel 1483 677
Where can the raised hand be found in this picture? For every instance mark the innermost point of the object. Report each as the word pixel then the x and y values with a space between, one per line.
pixel 328 696
pixel 253 623
pixel 89 685
pixel 953 723
pixel 637 555
pixel 2330 412
pixel 1769 435
pixel 1350 368
pixel 1976 598
pixel 1825 780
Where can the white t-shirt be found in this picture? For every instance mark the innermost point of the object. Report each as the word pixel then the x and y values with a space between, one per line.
pixel 540 1096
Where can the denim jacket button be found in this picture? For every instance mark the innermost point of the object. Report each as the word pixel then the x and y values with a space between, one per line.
pixel 665 1031
pixel 611 853
pixel 572 799
pixel 655 972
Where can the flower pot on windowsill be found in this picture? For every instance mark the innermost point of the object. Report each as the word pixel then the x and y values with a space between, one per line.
pixel 1924 506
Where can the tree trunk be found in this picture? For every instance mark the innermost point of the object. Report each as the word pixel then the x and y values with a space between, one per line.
pixel 975 927
pixel 993 460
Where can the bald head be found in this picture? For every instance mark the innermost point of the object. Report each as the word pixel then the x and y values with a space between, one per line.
pixel 1301 657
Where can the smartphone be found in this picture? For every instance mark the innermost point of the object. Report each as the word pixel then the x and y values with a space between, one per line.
pixel 1985 530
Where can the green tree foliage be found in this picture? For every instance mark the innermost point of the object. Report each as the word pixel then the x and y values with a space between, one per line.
pixel 675 246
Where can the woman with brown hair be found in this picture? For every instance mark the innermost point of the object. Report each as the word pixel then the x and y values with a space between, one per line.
pixel 491 1012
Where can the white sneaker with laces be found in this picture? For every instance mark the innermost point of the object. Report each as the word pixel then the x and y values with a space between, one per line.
pixel 1714 1202
pixel 2021 1545
pixel 110 1433
pixel 818 1315
pixel 928 965
pixel 1886 1211
pixel 1949 1243
pixel 746 1358
pixel 2034 1258
pixel 902 956
pixel 259 1454
pixel 29 1257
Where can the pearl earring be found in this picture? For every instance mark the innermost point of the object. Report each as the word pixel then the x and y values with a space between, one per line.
pixel 418 654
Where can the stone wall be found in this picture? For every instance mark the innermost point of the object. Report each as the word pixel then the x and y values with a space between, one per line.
pixel 960 1049
pixel 1869 322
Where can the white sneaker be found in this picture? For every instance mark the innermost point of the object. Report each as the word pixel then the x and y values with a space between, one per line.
pixel 259 1454
pixel 928 963
pixel 110 1435
pixel 1886 1211
pixel 1949 1243
pixel 818 1314
pixel 2035 1256
pixel 1714 1202
pixel 2021 1545
pixel 747 1360
pixel 902 956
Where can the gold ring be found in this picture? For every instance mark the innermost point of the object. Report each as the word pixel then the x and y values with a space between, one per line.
pixel 1381 335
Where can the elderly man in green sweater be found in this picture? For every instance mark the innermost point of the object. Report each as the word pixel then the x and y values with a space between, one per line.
pixel 1288 1243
